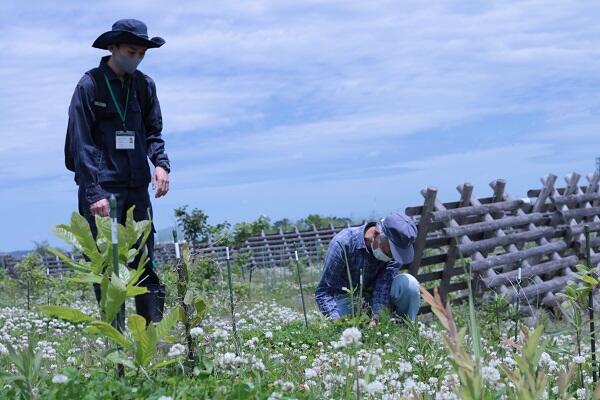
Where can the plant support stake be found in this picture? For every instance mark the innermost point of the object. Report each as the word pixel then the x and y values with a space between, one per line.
pixel 517 309
pixel 181 291
pixel 235 334
pixel 588 257
pixel 301 290
pixel 119 321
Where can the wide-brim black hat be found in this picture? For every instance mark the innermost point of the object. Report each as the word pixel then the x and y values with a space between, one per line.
pixel 130 31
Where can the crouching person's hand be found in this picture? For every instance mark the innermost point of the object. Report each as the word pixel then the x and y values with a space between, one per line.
pixel 374 320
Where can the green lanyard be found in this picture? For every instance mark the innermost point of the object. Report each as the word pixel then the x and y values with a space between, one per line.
pixel 122 114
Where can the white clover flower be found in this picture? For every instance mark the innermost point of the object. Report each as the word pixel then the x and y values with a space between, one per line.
pixel 196 331
pixel 165 398
pixel 60 378
pixel 375 387
pixel 350 336
pixel 176 350
pixel 310 373
pixel 490 374
pixel 269 335
pixel 579 359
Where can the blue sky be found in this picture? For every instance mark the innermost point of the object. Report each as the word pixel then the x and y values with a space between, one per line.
pixel 289 108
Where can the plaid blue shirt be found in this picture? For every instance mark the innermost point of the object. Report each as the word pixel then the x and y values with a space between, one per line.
pixel 376 273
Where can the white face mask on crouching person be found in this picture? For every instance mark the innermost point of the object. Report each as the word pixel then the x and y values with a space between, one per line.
pixel 378 253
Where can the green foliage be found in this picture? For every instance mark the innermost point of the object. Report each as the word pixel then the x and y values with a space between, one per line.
pixel 529 379
pixel 195 224
pixel 28 370
pixel 115 289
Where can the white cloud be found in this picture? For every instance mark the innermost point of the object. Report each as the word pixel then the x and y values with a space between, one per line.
pixel 252 87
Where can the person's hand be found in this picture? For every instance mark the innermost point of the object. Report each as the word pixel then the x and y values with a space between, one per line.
pixel 160 182
pixel 374 321
pixel 101 208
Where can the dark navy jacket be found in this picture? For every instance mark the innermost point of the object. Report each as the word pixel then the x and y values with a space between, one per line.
pixel 97 162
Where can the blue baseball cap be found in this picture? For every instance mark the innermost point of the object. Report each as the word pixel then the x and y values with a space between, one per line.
pixel 401 233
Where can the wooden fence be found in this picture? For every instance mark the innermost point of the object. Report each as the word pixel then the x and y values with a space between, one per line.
pixel 526 249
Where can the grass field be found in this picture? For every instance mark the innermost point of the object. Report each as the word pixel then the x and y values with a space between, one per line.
pixel 279 357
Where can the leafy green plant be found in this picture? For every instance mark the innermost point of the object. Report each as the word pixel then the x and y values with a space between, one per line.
pixel 529 378
pixel 28 370
pixel 466 366
pixel 115 289
pixel 97 268
pixel 143 341
pixel 31 274
pixel 576 296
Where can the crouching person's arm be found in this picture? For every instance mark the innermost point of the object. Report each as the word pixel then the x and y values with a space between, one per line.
pixel 381 291
pixel 332 281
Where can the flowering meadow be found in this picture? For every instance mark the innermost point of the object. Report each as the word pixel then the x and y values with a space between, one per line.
pixel 275 356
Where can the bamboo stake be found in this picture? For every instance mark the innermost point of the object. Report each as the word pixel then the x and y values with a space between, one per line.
pixel 588 255
pixel 181 291
pixel 301 290
pixel 119 321
pixel 233 322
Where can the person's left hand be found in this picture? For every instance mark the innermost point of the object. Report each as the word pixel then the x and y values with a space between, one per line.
pixel 160 182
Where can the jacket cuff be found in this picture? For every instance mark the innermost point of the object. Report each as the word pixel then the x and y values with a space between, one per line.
pixel 94 193
pixel 164 165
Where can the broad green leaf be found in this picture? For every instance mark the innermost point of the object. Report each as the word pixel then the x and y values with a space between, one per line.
pixel 64 232
pixel 130 232
pixel 116 294
pixel 67 313
pixel 167 323
pixel 103 227
pixel 135 275
pixel 133 291
pixel 118 357
pixel 78 266
pixel 111 333
pixel 200 306
pixel 124 273
pixel 186 256
pixel 188 299
pixel 145 346
pixel 164 364
pixel 81 229
pixel 589 280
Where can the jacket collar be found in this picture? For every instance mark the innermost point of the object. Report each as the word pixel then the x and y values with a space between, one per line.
pixel 359 235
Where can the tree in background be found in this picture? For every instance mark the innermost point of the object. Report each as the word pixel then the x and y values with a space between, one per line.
pixel 321 222
pixel 195 226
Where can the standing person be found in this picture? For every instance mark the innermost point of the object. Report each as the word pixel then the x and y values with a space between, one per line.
pixel 377 250
pixel 114 127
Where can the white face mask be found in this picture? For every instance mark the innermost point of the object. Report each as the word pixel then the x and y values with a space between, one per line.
pixel 126 63
pixel 379 254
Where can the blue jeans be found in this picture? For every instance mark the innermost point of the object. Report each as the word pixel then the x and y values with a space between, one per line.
pixel 404 298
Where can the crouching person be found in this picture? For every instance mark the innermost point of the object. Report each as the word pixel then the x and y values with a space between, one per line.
pixel 376 250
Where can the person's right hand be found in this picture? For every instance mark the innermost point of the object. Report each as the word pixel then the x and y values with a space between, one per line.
pixel 101 208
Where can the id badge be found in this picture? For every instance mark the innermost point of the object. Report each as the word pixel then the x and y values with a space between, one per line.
pixel 125 140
